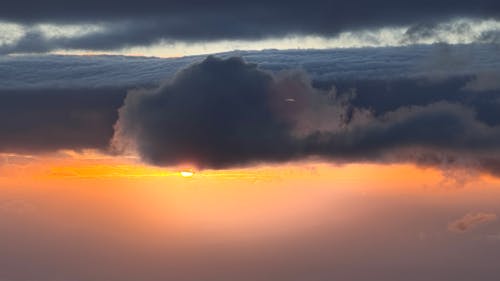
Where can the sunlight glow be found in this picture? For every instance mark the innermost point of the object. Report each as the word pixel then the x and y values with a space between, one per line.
pixel 186 174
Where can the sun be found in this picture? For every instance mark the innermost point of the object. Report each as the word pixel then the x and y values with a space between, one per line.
pixel 186 174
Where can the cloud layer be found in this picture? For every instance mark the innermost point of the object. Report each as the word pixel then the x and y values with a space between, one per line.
pixel 222 19
pixel 435 105
pixel 220 113
pixel 35 121
pixel 158 37
pixel 322 66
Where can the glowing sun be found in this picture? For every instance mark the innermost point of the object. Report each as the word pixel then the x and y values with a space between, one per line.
pixel 186 174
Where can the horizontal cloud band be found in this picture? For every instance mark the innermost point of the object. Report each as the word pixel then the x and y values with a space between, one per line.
pixel 221 113
pixel 161 37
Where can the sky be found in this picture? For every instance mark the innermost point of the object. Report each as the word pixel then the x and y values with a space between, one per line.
pixel 249 140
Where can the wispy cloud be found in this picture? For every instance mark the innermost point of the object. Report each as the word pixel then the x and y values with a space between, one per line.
pixel 471 221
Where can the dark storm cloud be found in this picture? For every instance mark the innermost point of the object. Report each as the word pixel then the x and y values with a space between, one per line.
pixel 34 121
pixel 216 113
pixel 132 23
pixel 220 113
pixel 202 19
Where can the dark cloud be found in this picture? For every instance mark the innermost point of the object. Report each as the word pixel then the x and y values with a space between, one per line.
pixel 34 121
pixel 220 113
pixel 256 16
pixel 483 82
pixel 215 114
pixel 343 105
pixel 131 23
pixel 440 134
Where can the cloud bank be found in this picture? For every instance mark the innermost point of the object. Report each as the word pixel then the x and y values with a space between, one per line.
pixel 220 113
pixel 323 66
pixel 131 22
pixel 158 37
pixel 430 105
pixel 37 121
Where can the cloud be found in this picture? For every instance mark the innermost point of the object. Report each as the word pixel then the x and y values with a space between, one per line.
pixel 487 81
pixel 34 121
pixel 220 113
pixel 337 105
pixel 215 113
pixel 378 66
pixel 471 221
pixel 125 35
pixel 225 19
pixel 459 31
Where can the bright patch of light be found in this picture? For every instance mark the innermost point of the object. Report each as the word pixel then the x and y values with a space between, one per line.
pixel 186 174
pixel 69 30
pixel 10 33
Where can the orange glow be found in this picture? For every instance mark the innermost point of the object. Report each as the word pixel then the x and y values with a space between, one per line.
pixel 240 201
pixel 92 165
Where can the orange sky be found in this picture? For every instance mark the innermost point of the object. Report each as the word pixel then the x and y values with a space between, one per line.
pixel 110 217
pixel 239 201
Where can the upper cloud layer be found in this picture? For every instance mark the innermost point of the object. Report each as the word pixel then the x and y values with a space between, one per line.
pixel 196 17
pixel 156 39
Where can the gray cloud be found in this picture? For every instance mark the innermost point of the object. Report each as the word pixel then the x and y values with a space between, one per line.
pixel 323 66
pixel 34 121
pixel 385 107
pixel 112 36
pixel 215 113
pixel 220 113
pixel 256 17
pixel 486 81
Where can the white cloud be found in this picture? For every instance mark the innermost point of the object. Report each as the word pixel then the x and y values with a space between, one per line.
pixel 10 33
pixel 68 30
